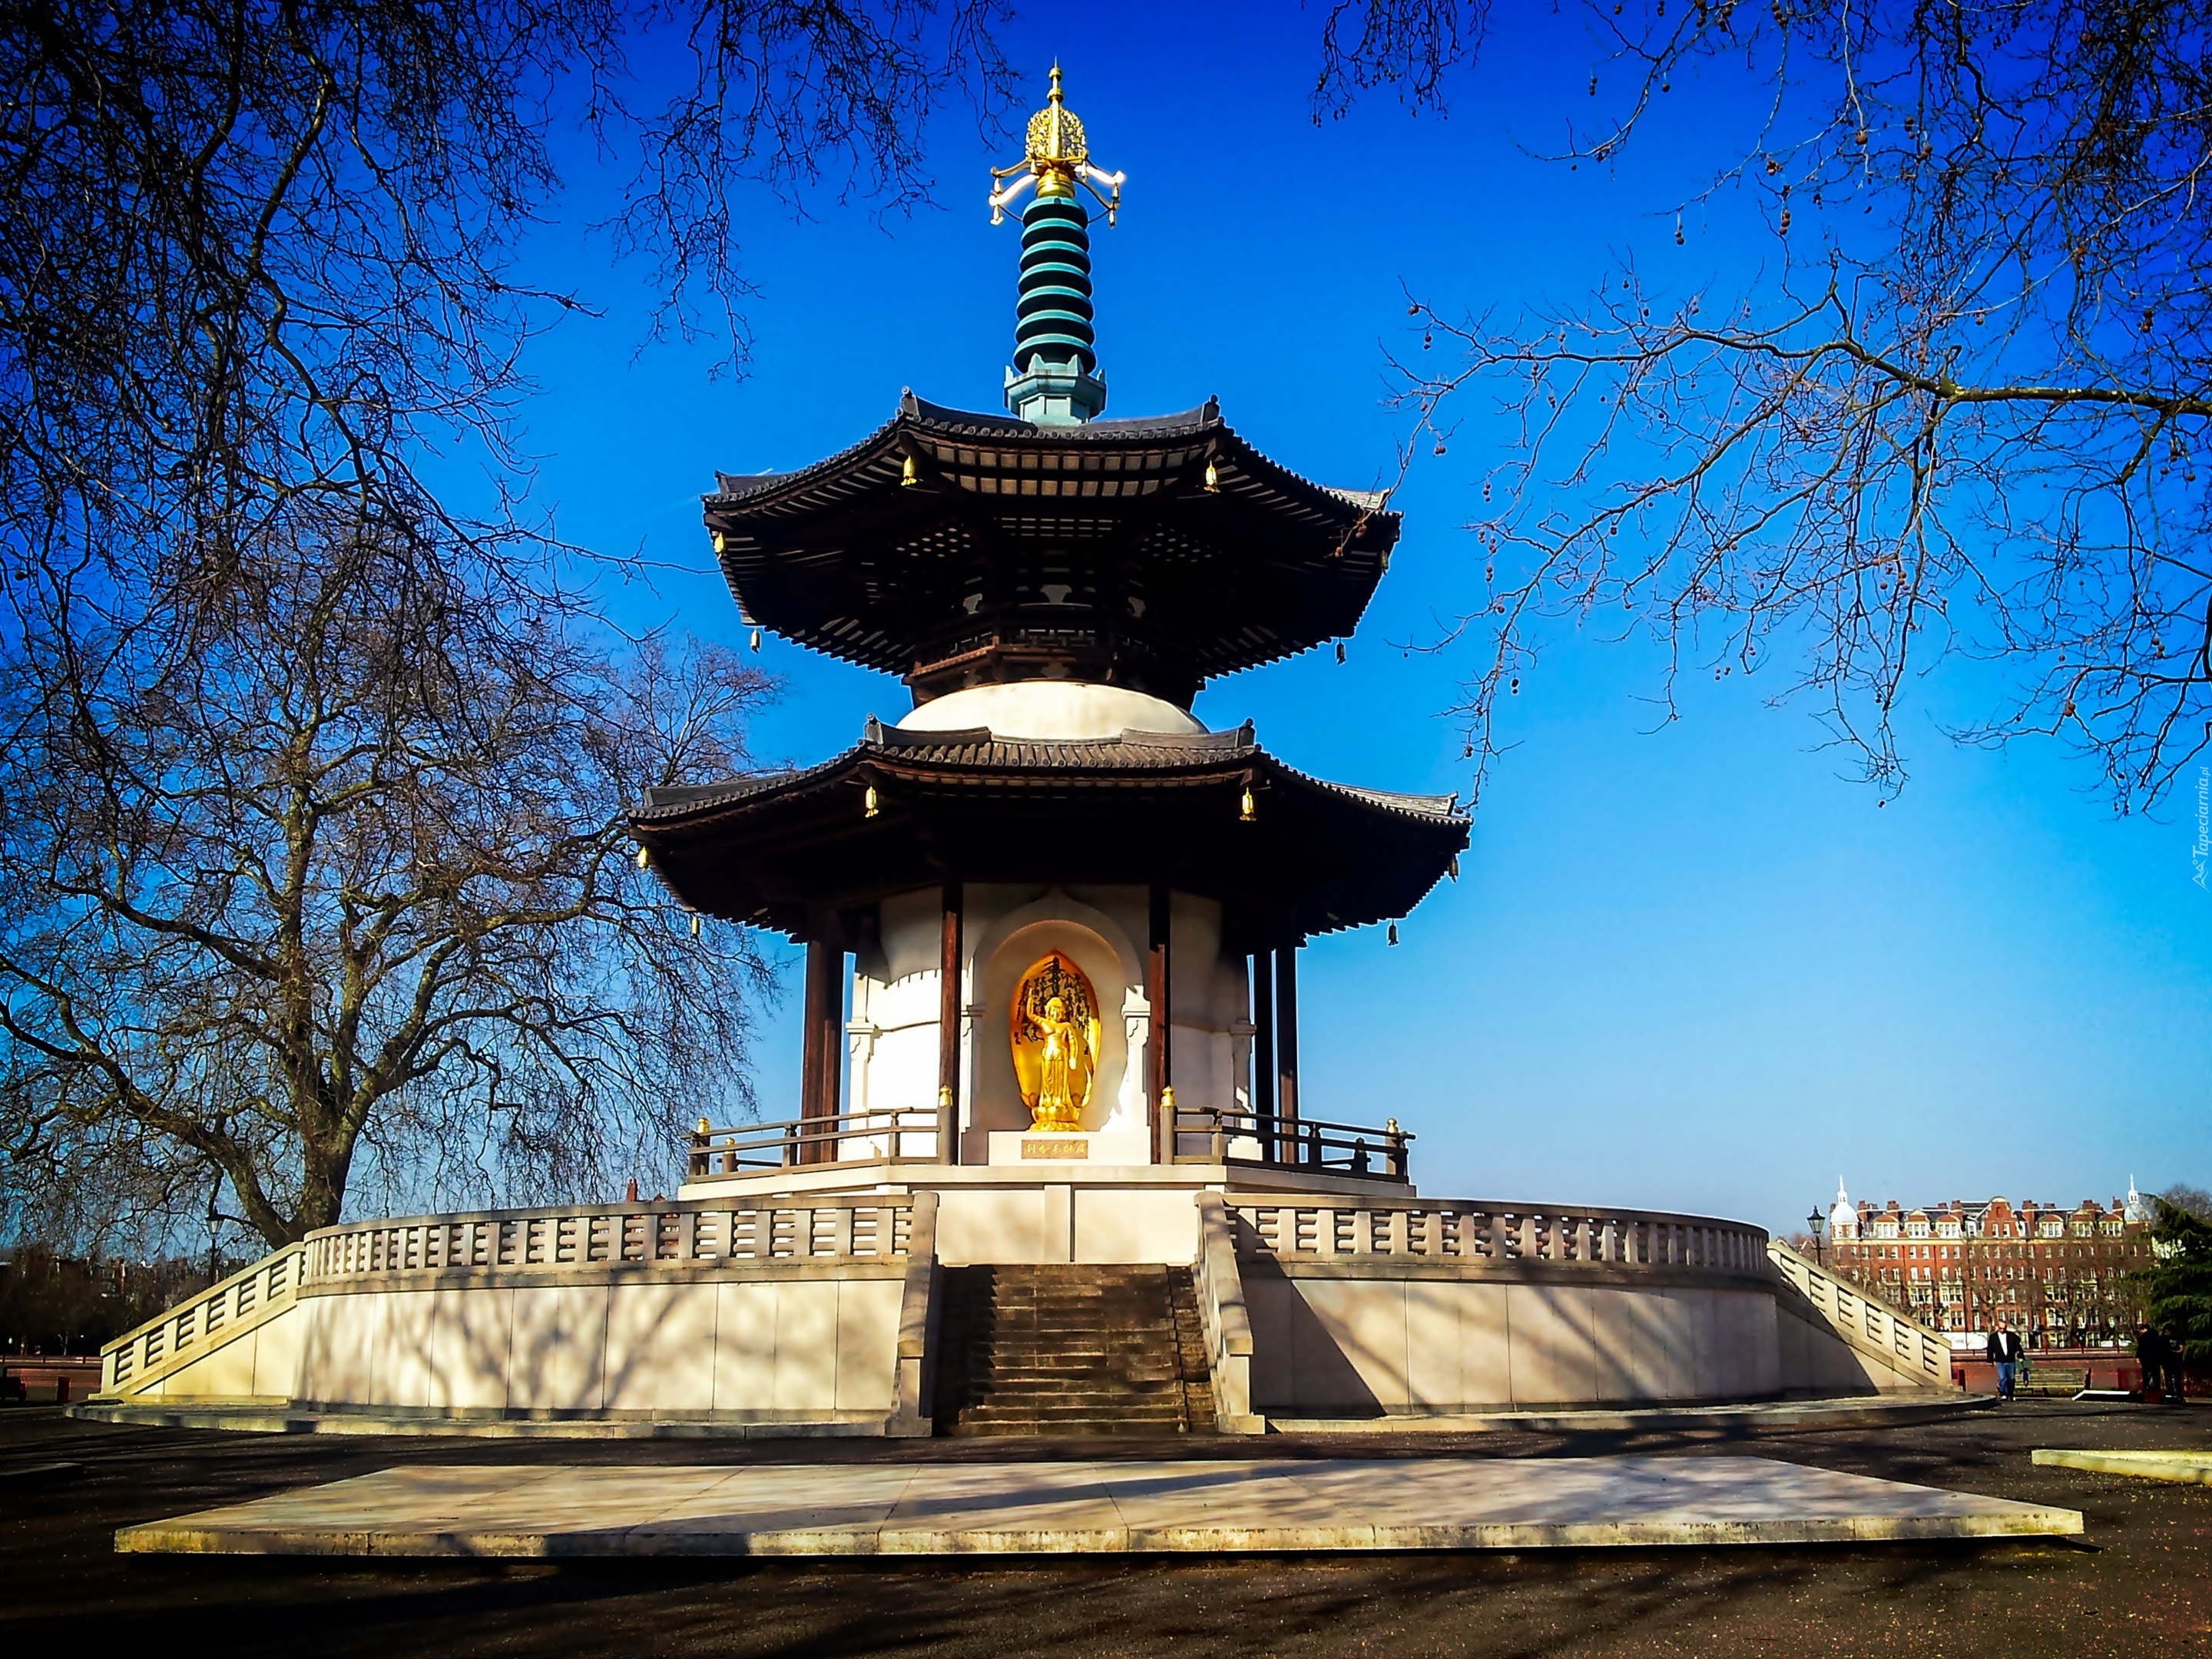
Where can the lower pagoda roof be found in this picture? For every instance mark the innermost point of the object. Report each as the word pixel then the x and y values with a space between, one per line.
pixel 801 852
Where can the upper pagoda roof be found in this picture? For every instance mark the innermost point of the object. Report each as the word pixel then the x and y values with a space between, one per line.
pixel 958 548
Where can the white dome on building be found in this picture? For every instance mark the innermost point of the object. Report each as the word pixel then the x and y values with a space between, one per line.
pixel 1050 711
pixel 2138 1208
pixel 1842 1217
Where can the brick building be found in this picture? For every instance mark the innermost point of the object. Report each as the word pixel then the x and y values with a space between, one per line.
pixel 2061 1277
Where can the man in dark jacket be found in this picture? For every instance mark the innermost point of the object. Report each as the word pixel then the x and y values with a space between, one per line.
pixel 2150 1348
pixel 2171 1354
pixel 2004 1354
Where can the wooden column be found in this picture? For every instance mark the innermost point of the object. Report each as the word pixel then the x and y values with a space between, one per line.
pixel 1263 1048
pixel 822 1068
pixel 948 1028
pixel 1286 1035
pixel 1158 1101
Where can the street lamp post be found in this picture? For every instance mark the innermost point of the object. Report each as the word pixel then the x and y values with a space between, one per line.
pixel 1813 1221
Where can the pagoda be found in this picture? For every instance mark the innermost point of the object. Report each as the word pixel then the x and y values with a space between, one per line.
pixel 1052 920
pixel 1051 1170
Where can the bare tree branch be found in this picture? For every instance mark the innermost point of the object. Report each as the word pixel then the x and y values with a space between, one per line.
pixel 1961 412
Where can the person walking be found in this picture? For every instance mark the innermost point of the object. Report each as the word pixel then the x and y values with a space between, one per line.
pixel 2004 1354
pixel 2151 1349
pixel 2171 1357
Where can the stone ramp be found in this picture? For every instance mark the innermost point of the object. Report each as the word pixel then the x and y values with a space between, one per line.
pixel 1206 1507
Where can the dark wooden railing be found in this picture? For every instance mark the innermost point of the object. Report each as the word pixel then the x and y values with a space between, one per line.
pixel 1207 1134
pixel 901 1135
pixel 1203 1135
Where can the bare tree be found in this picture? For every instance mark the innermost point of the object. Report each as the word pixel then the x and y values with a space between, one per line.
pixel 1961 411
pixel 310 767
pixel 333 862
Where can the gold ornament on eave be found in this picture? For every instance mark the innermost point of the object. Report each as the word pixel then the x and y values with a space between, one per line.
pixel 1056 161
pixel 1055 1036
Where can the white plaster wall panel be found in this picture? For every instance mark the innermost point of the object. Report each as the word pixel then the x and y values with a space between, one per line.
pixel 1623 1325
pixel 1199 1051
pixel 277 1351
pixel 469 1347
pixel 1432 1342
pixel 894 1071
pixel 1704 1321
pixel 1486 1352
pixel 363 1322
pixel 991 1223
pixel 660 1347
pixel 1679 1348
pixel 1733 1368
pixel 1757 1316
pixel 223 1373
pixel 1796 1364
pixel 558 1348
pixel 411 1323
pixel 805 1343
pixel 338 1359
pixel 1551 1345
pixel 867 1345
pixel 895 996
pixel 1364 1323
pixel 908 924
pixel 1135 1224
pixel 1057 1223
pixel 744 1347
pixel 1267 1302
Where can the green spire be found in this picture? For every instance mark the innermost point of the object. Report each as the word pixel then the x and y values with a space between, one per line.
pixel 1054 380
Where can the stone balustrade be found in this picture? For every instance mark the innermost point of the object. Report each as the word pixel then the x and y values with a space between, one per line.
pixel 198 1323
pixel 671 1233
pixel 1913 1350
pixel 1224 1319
pixel 1505 1236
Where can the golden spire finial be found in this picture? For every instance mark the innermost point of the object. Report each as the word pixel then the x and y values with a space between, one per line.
pixel 1056 161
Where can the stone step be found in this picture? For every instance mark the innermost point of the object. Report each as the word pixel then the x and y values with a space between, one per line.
pixel 1062 1349
pixel 1072 1428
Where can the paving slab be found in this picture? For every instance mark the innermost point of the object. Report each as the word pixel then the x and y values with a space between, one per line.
pixel 2184 1466
pixel 1205 1506
pixel 1927 1405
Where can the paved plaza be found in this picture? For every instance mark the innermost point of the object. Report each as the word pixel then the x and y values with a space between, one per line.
pixel 2134 1582
pixel 1087 1508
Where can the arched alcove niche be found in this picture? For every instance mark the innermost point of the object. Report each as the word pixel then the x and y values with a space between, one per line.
pixel 1008 949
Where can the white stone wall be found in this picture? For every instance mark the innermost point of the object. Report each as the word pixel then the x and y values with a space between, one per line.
pixel 797 1345
pixel 262 1363
pixel 1326 1345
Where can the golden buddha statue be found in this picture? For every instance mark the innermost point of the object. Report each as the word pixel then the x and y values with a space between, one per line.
pixel 1055 1042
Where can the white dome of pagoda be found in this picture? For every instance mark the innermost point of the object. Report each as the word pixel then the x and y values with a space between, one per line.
pixel 1051 711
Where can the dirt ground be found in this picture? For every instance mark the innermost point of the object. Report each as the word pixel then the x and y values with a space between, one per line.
pixel 2140 1582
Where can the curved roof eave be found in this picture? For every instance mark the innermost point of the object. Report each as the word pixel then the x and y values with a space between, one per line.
pixel 978 750
pixel 1370 507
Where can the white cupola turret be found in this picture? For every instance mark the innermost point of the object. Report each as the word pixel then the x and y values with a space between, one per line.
pixel 2138 1208
pixel 1843 1216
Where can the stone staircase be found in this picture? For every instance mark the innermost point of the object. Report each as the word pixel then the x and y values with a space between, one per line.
pixel 1071 1349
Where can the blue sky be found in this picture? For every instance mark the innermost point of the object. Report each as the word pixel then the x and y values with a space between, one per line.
pixel 1694 968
